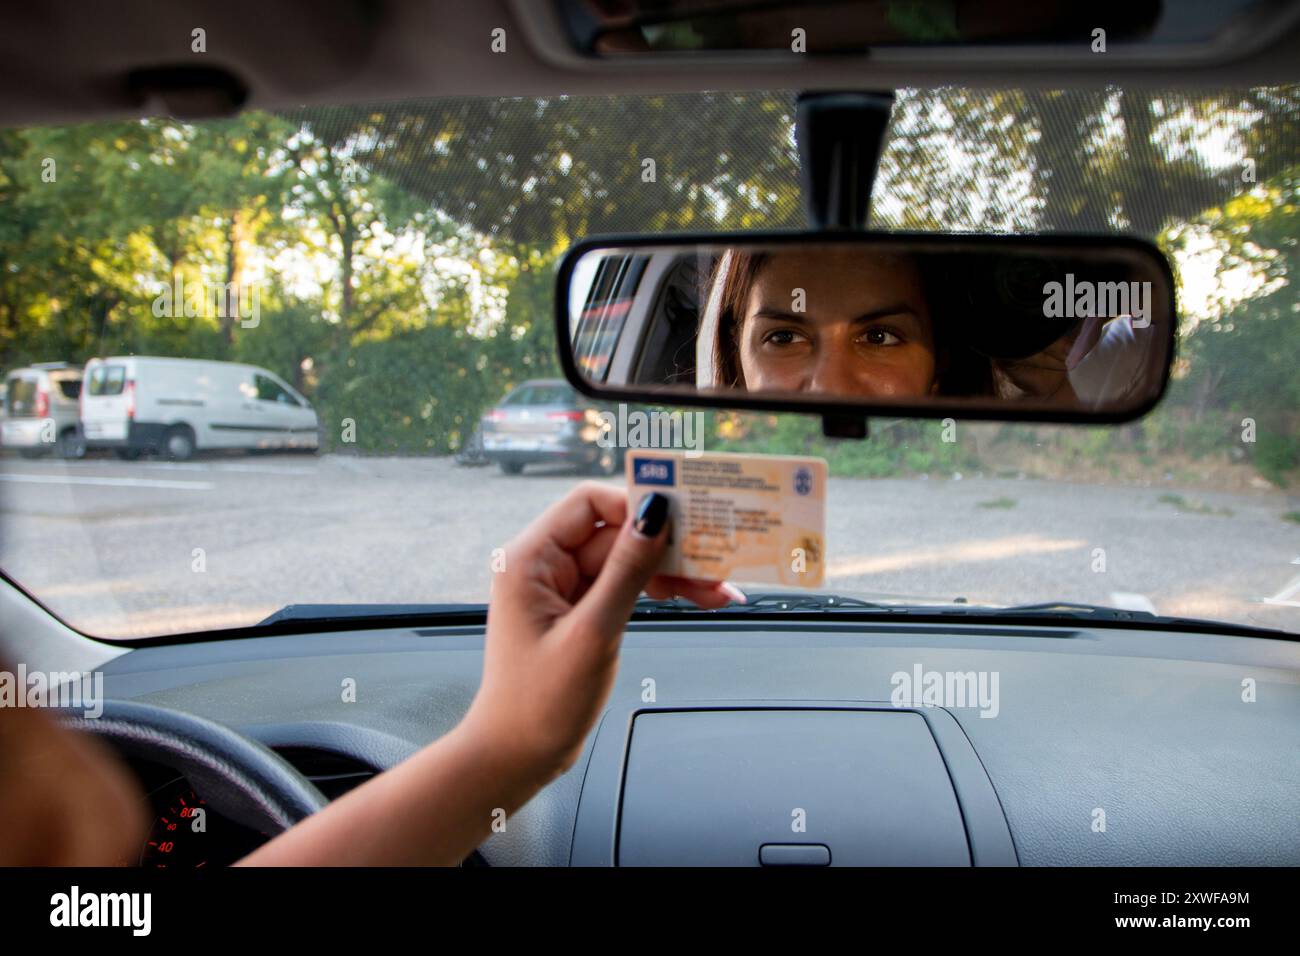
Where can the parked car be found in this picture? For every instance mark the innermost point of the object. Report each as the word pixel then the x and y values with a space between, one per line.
pixel 546 420
pixel 140 405
pixel 41 410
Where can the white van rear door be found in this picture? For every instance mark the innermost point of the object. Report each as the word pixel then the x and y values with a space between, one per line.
pixel 106 401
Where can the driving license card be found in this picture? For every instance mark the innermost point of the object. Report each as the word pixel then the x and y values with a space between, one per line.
pixel 759 518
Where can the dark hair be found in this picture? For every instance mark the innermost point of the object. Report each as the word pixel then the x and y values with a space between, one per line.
pixel 734 296
pixel 958 369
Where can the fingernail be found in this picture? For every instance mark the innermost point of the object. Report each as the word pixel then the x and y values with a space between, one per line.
pixel 651 515
pixel 733 592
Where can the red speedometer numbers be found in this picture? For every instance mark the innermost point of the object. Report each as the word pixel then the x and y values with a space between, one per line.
pixel 174 840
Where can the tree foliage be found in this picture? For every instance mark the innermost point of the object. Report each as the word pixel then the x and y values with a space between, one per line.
pixel 403 253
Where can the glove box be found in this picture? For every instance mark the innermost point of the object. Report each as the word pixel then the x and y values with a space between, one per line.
pixel 785 785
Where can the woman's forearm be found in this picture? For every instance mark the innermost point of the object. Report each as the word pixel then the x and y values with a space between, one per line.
pixel 431 810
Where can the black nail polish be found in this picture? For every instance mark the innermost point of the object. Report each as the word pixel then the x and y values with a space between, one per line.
pixel 651 515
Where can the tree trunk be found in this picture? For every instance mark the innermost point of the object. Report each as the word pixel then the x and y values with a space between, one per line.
pixel 229 313
pixel 347 240
pixel 99 323
pixel 1205 390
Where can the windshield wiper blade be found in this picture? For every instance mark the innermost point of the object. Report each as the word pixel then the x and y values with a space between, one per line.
pixel 767 602
pixel 1100 612
pixel 795 601
pixel 1074 609
pixel 778 603
pixel 348 612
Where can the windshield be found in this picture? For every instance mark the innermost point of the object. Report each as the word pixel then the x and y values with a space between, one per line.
pixel 394 265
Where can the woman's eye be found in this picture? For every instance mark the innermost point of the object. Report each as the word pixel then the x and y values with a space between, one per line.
pixel 781 337
pixel 881 336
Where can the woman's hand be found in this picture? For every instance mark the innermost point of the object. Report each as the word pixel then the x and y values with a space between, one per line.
pixel 555 623
pixel 556 619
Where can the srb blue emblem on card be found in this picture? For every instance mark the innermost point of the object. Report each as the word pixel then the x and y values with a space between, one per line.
pixel 652 471
pixel 803 481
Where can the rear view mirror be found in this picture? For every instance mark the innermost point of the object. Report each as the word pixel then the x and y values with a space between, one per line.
pixel 1039 328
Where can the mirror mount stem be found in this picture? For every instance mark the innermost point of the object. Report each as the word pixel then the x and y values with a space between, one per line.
pixel 845 426
pixel 840 136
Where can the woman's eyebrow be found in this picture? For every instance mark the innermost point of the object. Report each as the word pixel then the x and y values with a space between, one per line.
pixel 780 315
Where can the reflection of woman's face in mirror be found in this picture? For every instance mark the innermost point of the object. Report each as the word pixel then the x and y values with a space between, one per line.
pixel 865 328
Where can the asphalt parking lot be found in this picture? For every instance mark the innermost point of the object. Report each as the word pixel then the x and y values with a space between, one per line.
pixel 134 549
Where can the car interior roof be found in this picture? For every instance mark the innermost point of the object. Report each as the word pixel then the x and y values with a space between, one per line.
pixel 75 61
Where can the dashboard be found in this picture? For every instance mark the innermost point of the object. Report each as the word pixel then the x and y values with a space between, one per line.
pixel 800 742
pixel 185 832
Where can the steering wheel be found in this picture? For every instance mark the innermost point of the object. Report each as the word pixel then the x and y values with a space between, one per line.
pixel 246 780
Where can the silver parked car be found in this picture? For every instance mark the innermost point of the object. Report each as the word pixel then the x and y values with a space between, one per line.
pixel 546 420
pixel 42 411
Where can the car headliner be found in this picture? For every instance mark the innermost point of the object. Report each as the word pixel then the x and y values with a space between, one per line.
pixel 66 60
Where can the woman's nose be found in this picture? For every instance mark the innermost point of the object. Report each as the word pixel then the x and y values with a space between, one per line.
pixel 832 372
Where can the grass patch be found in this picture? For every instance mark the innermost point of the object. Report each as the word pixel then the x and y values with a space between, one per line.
pixel 1292 516
pixel 1001 503
pixel 1193 506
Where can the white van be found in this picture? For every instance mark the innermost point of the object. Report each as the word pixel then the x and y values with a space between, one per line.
pixel 174 407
